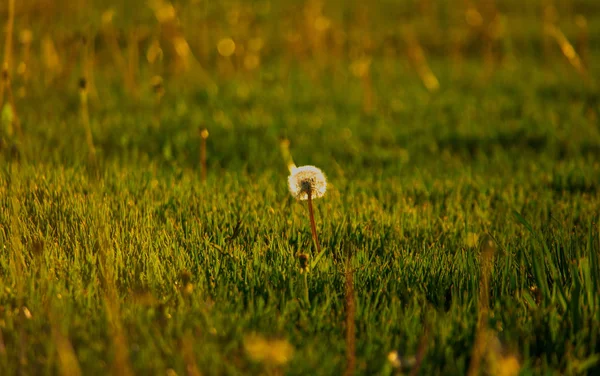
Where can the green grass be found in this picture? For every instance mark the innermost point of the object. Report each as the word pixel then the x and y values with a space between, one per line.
pixel 133 264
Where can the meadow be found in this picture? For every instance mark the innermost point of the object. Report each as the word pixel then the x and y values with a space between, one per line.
pixel 146 225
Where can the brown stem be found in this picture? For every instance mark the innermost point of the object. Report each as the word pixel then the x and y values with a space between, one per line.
pixel 313 227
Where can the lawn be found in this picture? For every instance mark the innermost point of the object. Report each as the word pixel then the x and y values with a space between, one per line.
pixel 146 226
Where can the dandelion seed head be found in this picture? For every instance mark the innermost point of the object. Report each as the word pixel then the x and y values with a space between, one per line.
pixel 306 179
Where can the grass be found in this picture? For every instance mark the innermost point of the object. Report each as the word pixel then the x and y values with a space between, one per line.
pixel 132 263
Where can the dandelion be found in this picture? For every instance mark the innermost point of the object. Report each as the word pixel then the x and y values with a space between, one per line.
pixel 307 183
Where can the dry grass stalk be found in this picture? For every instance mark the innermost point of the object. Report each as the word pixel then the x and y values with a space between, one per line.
pixel 419 61
pixel 421 350
pixel 170 29
pixel 25 37
pixel 368 93
pixel 566 48
pixel 88 57
pixel 133 57
pixel 488 249
pixel 6 65
pixel 203 137
pixel 489 35
pixel 67 359
pixel 158 87
pixel 187 349
pixel 5 85
pixel 50 59
pixel 284 145
pixel 85 120
pixel 350 321
pixel 110 37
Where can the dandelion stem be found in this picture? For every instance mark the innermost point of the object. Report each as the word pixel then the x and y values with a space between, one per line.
pixel 313 227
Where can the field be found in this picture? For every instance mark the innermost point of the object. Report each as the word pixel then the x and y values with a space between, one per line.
pixel 146 225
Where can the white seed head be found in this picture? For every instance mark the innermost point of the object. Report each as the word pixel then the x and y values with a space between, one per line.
pixel 306 179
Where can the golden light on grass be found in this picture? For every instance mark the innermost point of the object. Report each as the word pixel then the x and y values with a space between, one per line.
pixel 5 78
pixel 25 37
pixel 472 239
pixel 154 52
pixel 184 52
pixel 226 47
pixel 401 363
pixel 182 47
pixel 360 67
pixel 417 58
pixel 272 352
pixel 566 47
pixel 256 44
pixel 284 145
pixel 473 17
pixel 50 56
pixel 251 61
pixel 394 359
pixel 498 362
pixel 163 11
pixel 322 23
pixel 107 16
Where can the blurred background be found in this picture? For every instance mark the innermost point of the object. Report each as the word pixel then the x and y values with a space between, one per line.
pixel 436 122
pixel 139 79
